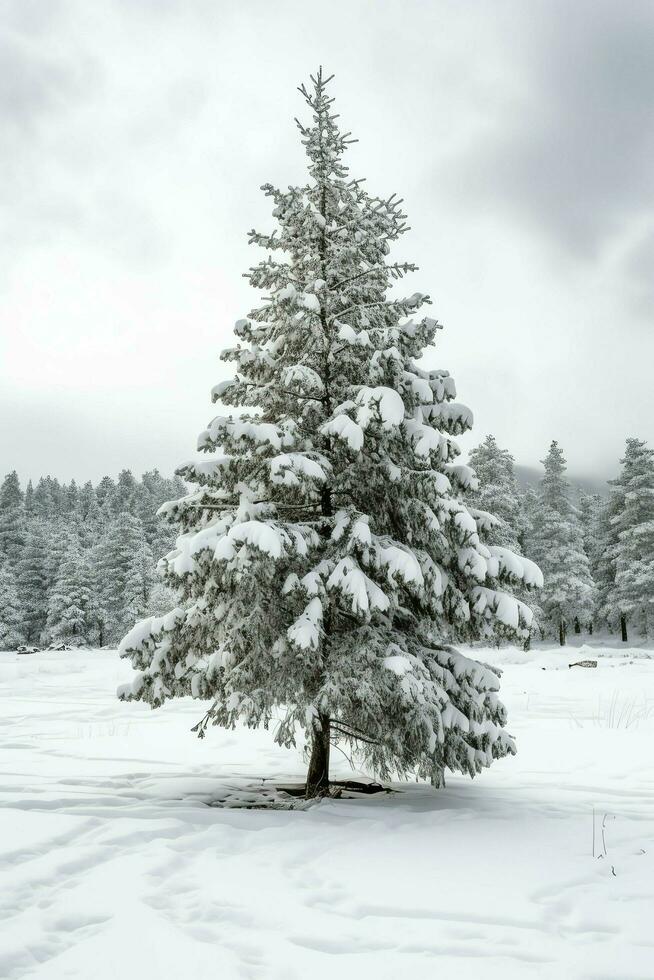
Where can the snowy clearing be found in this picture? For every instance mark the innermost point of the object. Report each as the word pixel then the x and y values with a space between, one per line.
pixel 114 866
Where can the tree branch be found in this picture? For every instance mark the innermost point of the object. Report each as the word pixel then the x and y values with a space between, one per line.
pixel 354 733
pixel 397 267
pixel 283 391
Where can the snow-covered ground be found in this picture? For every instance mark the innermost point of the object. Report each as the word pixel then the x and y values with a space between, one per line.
pixel 113 865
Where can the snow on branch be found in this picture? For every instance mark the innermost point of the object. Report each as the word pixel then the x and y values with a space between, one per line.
pixel 518 567
pixel 305 631
pixel 385 403
pixel 346 429
pixel 511 612
pixel 293 469
pixel 259 433
pixel 143 631
pixel 348 579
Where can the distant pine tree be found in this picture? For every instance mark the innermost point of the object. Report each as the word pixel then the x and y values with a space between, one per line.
pixel 11 494
pixel 632 592
pixel 498 493
pixel 530 509
pixel 104 491
pixel 56 518
pixel 59 536
pixel 125 494
pixel 11 617
pixel 555 541
pixel 71 496
pixel 161 599
pixel 591 507
pixel 29 499
pixel 12 518
pixel 126 575
pixel 70 604
pixel 32 574
pixel 44 502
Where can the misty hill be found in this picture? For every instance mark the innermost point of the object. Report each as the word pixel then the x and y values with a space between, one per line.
pixel 530 476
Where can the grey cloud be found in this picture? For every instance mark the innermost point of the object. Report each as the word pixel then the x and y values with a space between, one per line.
pixel 32 86
pixel 40 93
pixel 572 150
pixel 638 265
pixel 137 133
pixel 60 173
pixel 31 18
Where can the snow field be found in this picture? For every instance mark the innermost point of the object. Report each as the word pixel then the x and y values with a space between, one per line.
pixel 113 865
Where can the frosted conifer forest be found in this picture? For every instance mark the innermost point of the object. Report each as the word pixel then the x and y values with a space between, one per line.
pixel 358 688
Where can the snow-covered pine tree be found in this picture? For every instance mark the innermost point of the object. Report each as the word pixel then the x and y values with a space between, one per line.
pixel 32 576
pixel 154 490
pixel 97 554
pixel 556 543
pixel 43 500
pixel 71 498
pixel 530 510
pixel 70 616
pixel 11 494
pixel 328 557
pixel 91 520
pixel 498 493
pixel 88 500
pixel 105 491
pixel 633 589
pixel 160 600
pixel 11 617
pixel 126 575
pixel 59 537
pixel 29 499
pixel 591 506
pixel 59 495
pixel 603 563
pixel 124 496
pixel 12 518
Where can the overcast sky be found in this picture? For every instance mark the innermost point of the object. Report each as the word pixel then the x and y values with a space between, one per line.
pixel 134 137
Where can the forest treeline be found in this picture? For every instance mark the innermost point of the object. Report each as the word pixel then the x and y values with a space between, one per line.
pixel 596 552
pixel 78 564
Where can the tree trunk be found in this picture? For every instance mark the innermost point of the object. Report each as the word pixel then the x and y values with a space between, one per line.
pixel 561 633
pixel 438 778
pixel 577 625
pixel 318 774
pixel 590 627
pixel 623 628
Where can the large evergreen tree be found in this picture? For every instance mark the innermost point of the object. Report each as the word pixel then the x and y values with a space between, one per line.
pixel 556 542
pixel 328 557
